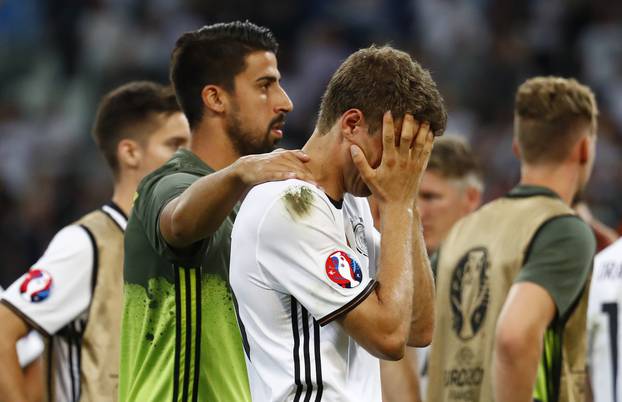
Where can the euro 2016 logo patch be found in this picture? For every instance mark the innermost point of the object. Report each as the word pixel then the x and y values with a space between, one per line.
pixel 343 270
pixel 36 285
pixel 469 293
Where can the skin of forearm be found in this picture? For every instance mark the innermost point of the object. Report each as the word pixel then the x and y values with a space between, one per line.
pixel 515 368
pixel 12 381
pixel 33 374
pixel 395 276
pixel 422 324
pixel 399 379
pixel 200 210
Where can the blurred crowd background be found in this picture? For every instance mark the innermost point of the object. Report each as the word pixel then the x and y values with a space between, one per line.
pixel 58 57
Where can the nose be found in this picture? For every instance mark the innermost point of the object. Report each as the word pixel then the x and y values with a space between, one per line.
pixel 422 207
pixel 283 104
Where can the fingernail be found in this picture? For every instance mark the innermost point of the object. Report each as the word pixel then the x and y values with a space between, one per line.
pixel 354 150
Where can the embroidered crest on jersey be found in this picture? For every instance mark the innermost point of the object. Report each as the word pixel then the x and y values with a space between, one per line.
pixel 343 270
pixel 360 241
pixel 36 285
pixel 469 293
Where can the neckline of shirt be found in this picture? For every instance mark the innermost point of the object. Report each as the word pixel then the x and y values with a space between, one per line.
pixel 116 214
pixel 528 190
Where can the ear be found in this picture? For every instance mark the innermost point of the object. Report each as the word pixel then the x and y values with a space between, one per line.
pixel 515 148
pixel 214 98
pixel 473 198
pixel 351 123
pixel 584 149
pixel 129 153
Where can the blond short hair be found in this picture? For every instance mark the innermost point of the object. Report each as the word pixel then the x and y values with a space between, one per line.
pixel 453 159
pixel 549 115
pixel 377 79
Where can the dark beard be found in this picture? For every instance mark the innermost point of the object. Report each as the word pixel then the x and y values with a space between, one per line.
pixel 244 142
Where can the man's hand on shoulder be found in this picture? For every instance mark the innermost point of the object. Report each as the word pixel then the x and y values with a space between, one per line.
pixel 280 164
pixel 200 210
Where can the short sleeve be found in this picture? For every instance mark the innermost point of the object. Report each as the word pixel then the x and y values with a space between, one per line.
pixel 560 259
pixel 153 200
pixel 57 289
pixel 308 257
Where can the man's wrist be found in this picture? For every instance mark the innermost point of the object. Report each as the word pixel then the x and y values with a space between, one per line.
pixel 398 208
pixel 398 214
pixel 238 175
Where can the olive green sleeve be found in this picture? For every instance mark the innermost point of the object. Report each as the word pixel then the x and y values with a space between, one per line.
pixel 559 259
pixel 153 202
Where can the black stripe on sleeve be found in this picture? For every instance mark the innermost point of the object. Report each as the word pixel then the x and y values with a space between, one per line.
pixel 177 335
pixel 350 305
pixel 307 356
pixel 197 347
pixel 318 361
pixel 297 380
pixel 184 394
pixel 24 317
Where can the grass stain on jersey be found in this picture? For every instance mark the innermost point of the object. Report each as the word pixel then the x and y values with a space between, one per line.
pixel 298 200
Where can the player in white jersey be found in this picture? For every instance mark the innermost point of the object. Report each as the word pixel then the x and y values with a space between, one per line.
pixel 76 284
pixel 288 316
pixel 603 325
pixel 53 297
pixel 320 297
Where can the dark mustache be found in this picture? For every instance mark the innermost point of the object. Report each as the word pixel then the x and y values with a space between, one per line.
pixel 280 118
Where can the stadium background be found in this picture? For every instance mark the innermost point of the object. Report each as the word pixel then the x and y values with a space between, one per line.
pixel 58 57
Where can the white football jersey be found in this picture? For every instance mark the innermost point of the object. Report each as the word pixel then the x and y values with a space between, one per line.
pixel 54 296
pixel 603 321
pixel 298 261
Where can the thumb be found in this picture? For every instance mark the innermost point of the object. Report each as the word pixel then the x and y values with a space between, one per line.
pixel 360 162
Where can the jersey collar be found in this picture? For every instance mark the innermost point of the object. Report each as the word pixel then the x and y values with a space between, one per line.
pixel 522 191
pixel 336 203
pixel 116 214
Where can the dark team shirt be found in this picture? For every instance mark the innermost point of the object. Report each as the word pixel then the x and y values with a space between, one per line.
pixel 180 339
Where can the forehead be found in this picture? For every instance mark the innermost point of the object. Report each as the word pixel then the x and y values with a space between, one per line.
pixel 259 64
pixel 433 179
pixel 171 125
